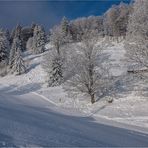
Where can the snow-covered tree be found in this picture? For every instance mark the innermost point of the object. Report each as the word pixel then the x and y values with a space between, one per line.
pixel 65 26
pixel 39 39
pixel 17 63
pixel 48 36
pixel 3 51
pixel 7 33
pixel 56 38
pixel 53 66
pixel 54 60
pixel 137 36
pixel 18 30
pixel 65 29
pixel 116 20
pixel 17 33
pixel 80 26
pixel 60 35
pixel 4 47
pixel 13 52
pixel 123 18
pixel 33 26
pixel 89 74
pixel 14 48
pixel 110 21
pixel 11 55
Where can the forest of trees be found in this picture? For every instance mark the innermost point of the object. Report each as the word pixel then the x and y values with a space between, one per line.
pixel 80 73
pixel 12 46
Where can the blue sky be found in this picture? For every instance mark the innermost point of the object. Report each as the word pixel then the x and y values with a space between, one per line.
pixel 49 13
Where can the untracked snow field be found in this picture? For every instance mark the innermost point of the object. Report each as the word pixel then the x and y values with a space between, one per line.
pixel 74 122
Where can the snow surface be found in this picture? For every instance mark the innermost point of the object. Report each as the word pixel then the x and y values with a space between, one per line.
pixel 27 120
pixel 129 106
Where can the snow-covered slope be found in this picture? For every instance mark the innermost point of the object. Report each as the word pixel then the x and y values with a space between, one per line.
pixel 129 105
pixel 29 121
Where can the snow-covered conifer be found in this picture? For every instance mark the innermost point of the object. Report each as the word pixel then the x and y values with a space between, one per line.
pixel 16 45
pixel 7 33
pixel 4 47
pixel 17 65
pixel 65 26
pixel 17 33
pixel 54 60
pixel 4 52
pixel 53 66
pixel 39 39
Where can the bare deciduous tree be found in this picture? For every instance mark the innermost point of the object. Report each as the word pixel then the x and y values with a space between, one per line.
pixel 90 76
pixel 56 38
pixel 116 19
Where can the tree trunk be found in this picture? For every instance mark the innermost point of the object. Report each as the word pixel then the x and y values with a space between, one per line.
pixel 58 49
pixel 93 99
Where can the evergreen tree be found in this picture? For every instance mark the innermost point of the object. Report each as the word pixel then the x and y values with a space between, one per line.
pixel 65 26
pixel 4 47
pixel 33 26
pixel 11 56
pixel 16 45
pixel 17 33
pixel 56 76
pixel 4 53
pixel 7 33
pixel 65 30
pixel 53 65
pixel 48 36
pixel 12 36
pixel 18 66
pixel 39 39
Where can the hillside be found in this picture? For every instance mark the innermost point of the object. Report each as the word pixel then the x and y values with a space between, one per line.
pixel 129 105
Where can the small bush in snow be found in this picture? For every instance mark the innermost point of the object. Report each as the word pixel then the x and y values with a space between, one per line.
pixel 110 99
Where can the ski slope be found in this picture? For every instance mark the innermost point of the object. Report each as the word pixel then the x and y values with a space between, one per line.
pixel 129 105
pixel 28 120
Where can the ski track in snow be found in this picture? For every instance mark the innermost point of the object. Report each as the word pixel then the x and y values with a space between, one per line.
pixel 28 120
